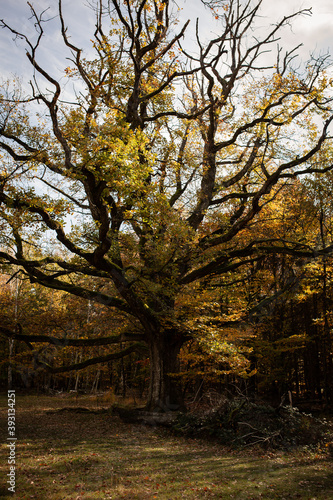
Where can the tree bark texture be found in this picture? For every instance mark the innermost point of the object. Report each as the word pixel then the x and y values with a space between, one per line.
pixel 164 389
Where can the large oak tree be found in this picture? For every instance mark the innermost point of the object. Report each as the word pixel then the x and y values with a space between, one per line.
pixel 150 172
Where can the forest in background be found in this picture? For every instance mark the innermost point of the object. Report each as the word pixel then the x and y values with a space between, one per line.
pixel 167 230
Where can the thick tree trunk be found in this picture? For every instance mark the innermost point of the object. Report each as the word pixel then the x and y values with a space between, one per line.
pixel 164 389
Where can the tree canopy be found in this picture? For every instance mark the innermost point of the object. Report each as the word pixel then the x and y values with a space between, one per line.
pixel 143 187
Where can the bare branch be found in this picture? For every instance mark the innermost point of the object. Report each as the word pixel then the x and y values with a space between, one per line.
pixel 92 361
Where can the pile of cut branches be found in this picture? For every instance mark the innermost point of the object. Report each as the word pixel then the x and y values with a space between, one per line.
pixel 242 422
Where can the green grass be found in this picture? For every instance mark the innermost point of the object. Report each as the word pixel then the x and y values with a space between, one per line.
pixel 66 455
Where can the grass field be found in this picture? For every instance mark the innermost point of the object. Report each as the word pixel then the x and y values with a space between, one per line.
pixel 68 456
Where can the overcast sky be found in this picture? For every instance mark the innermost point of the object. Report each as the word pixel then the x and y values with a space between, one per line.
pixel 315 32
